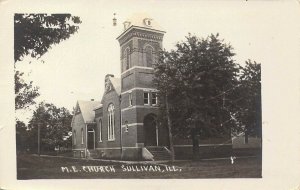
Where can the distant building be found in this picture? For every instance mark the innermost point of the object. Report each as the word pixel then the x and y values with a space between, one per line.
pixel 123 125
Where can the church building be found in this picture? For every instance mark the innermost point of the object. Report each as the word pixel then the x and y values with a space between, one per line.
pixel 123 124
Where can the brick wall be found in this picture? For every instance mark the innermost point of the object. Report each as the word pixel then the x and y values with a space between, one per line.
pixel 110 98
pixel 77 125
pixel 107 153
pixel 239 142
pixel 210 151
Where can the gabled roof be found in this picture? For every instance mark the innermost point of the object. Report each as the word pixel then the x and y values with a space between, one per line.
pixel 116 82
pixel 87 109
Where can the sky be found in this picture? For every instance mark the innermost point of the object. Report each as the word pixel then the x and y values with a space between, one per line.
pixel 75 69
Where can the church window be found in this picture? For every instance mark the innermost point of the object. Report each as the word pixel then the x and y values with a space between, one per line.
pixel 78 110
pixel 111 122
pixel 149 56
pixel 81 135
pixel 100 130
pixel 147 21
pixel 146 98
pixel 74 137
pixel 126 126
pixel 127 58
pixel 130 99
pixel 126 25
pixel 154 98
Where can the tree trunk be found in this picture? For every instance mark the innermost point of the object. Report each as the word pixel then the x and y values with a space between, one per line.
pixel 246 136
pixel 170 130
pixel 195 139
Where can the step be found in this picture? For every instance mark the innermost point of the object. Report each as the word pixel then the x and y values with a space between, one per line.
pixel 159 153
pixel 92 154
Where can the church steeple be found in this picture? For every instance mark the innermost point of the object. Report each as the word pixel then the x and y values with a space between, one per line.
pixel 140 42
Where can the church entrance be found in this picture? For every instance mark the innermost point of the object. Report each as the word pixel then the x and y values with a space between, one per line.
pixel 154 134
pixel 150 130
pixel 91 139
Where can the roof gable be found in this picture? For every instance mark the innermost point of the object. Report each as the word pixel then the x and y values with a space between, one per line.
pixel 115 84
pixel 87 109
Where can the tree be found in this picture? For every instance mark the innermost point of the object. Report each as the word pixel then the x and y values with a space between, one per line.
pixel 193 82
pixel 34 34
pixel 248 109
pixel 24 93
pixel 54 126
pixel 22 136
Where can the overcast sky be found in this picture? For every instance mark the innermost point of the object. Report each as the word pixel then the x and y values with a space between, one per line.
pixel 75 69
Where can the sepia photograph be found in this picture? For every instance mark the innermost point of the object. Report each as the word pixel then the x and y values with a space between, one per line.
pixel 144 90
pixel 189 112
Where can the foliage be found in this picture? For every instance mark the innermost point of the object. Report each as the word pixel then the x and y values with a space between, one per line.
pixel 195 77
pixel 24 93
pixel 54 126
pixel 36 33
pixel 22 136
pixel 248 108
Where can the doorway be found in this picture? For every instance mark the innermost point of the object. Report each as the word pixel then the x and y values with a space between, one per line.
pixel 150 130
pixel 91 139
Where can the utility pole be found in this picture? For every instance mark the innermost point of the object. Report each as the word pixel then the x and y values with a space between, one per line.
pixel 39 131
pixel 223 107
pixel 224 100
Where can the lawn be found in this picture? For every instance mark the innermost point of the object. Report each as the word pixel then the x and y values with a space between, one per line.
pixel 45 167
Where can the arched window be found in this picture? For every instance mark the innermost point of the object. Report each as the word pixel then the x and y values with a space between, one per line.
pixel 100 130
pixel 74 138
pixel 149 56
pixel 111 122
pixel 81 135
pixel 127 58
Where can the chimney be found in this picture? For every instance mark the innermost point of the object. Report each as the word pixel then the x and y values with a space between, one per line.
pixel 106 79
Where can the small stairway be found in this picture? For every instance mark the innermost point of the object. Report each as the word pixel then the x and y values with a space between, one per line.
pixel 91 153
pixel 159 153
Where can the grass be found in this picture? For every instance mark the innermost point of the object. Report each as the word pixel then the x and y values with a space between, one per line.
pixel 45 167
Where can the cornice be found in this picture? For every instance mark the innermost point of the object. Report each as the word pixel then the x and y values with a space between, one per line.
pixel 141 34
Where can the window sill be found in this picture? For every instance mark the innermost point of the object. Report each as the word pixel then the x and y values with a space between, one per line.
pixel 111 139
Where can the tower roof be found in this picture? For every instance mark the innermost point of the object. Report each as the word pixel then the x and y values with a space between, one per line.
pixel 141 21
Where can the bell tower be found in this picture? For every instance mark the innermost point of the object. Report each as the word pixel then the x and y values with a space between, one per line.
pixel 140 43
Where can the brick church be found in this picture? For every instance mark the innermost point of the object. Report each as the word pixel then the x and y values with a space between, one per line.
pixel 123 124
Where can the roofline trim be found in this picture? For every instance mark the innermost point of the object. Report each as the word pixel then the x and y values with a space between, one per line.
pixel 90 122
pixel 139 27
pixel 98 107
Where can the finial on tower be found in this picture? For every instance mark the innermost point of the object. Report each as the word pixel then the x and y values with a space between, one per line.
pixel 114 20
